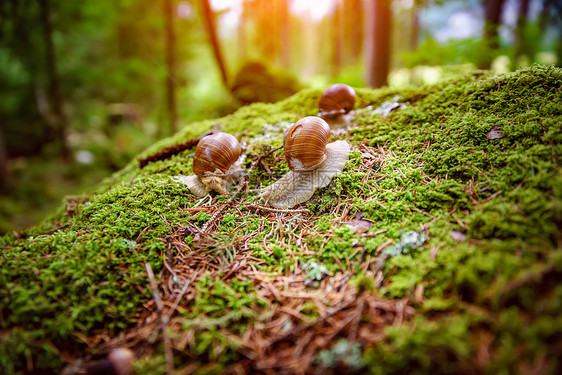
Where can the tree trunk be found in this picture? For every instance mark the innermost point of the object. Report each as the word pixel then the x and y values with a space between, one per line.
pixel 4 171
pixel 552 11
pixel 267 28
pixel 415 31
pixel 492 16
pixel 285 42
pixel 378 39
pixel 336 40
pixel 520 42
pixel 170 63
pixel 352 17
pixel 210 25
pixel 545 14
pixel 414 34
pixel 56 102
pixel 242 34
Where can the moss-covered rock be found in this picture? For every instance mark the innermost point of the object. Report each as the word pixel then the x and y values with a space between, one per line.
pixel 479 293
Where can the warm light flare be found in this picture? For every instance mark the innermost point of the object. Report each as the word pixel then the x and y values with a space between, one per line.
pixel 315 9
pixel 226 4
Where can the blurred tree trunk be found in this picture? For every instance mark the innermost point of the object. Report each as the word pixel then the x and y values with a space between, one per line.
pixel 56 101
pixel 170 63
pixel 267 28
pixel 414 34
pixel 262 22
pixel 242 33
pixel 520 42
pixel 284 31
pixel 492 17
pixel 210 25
pixel 552 11
pixel 545 14
pixel 352 16
pixel 415 24
pixel 378 37
pixel 336 40
pixel 3 165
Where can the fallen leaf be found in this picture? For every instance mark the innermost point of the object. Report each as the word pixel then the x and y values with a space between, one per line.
pixel 458 236
pixel 359 225
pixel 495 133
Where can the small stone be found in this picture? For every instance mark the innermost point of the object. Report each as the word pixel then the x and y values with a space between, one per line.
pixel 458 236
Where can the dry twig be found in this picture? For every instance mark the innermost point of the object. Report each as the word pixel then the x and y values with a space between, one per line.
pixel 163 320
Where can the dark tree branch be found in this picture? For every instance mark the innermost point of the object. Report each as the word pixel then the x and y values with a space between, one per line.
pixel 210 25
pixel 170 63
pixel 56 100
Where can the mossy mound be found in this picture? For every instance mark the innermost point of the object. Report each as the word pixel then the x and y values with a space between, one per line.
pixel 256 82
pixel 459 272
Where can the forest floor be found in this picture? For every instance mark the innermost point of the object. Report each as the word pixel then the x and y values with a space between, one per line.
pixel 437 250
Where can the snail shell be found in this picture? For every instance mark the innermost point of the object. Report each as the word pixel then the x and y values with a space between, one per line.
pixel 305 143
pixel 216 151
pixel 336 100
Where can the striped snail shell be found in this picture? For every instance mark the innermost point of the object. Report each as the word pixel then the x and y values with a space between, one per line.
pixel 337 99
pixel 216 151
pixel 305 143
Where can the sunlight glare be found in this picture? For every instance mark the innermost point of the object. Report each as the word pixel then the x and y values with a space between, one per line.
pixel 225 4
pixel 317 9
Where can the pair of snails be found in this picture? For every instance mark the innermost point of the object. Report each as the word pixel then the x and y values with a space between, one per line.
pixel 312 160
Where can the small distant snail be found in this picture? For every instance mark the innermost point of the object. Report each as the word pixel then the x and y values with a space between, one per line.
pixel 312 162
pixel 335 105
pixel 216 164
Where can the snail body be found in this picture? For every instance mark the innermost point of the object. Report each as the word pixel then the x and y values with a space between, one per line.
pixel 216 164
pixel 312 162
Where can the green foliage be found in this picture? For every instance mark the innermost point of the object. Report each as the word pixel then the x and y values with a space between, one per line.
pixel 343 352
pixel 432 347
pixel 315 271
pixel 431 52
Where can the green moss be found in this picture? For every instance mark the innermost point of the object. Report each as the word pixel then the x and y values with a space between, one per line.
pixel 83 271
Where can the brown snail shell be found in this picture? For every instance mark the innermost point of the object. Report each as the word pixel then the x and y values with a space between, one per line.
pixel 216 151
pixel 305 143
pixel 336 100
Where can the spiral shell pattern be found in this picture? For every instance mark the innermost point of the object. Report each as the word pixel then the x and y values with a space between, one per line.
pixel 305 143
pixel 216 151
pixel 337 99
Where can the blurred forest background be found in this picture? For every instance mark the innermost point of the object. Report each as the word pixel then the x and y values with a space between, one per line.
pixel 87 85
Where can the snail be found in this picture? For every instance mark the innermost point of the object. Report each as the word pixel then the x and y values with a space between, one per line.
pixel 216 164
pixel 312 162
pixel 335 105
